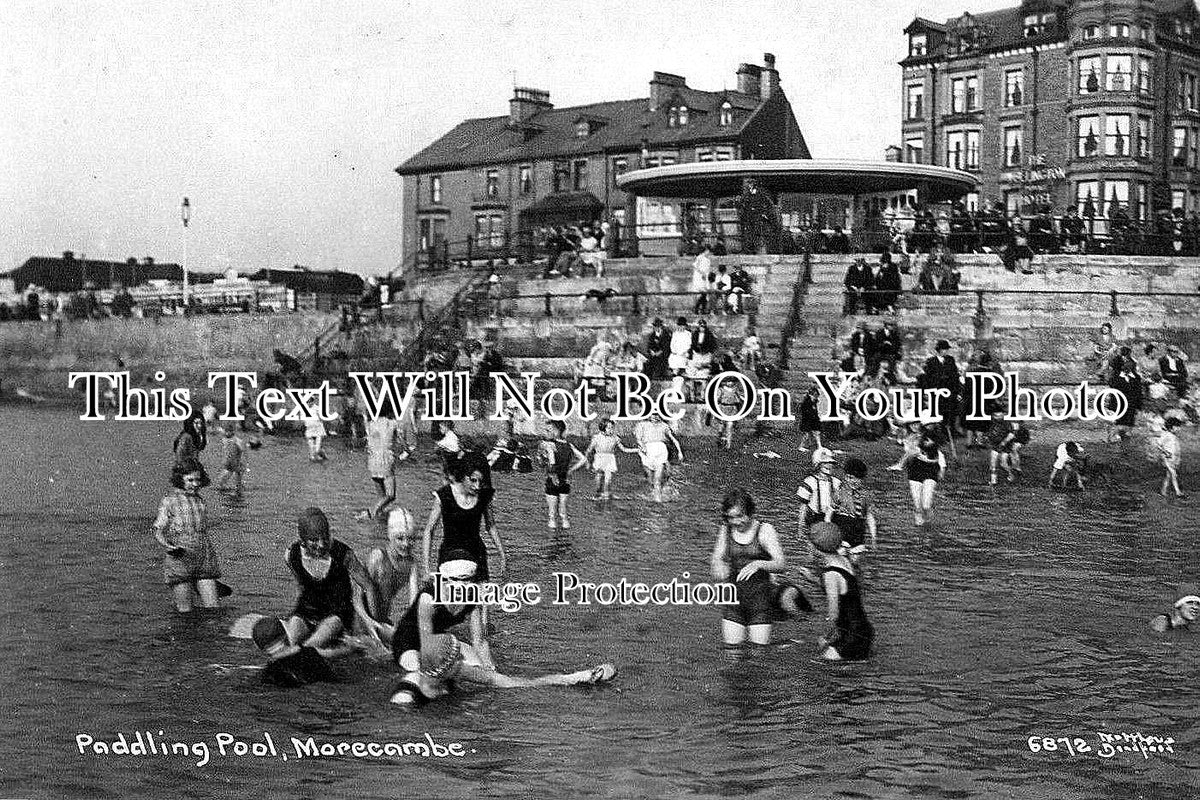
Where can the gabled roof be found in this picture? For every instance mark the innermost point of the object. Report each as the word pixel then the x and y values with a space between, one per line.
pixel 489 140
pixel 59 274
pixel 920 23
pixel 998 30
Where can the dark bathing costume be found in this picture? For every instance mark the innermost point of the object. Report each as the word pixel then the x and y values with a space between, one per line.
pixel 408 629
pixel 328 596
pixel 460 528
pixel 758 596
pixel 854 631
pixel 922 469
pixel 556 473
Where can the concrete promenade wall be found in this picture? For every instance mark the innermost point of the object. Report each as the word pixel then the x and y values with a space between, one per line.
pixel 39 355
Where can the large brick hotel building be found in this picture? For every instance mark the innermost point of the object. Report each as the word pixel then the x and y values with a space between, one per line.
pixel 1059 102
pixel 490 178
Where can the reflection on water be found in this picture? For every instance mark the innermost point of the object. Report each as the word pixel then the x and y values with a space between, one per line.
pixel 1017 613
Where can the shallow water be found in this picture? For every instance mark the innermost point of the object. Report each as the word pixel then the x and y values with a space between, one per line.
pixel 1017 613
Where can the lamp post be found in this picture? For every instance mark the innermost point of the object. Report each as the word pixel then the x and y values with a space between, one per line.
pixel 186 214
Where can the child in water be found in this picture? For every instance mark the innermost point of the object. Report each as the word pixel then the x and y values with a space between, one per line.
pixel 601 452
pixel 561 459
pixel 1182 614
pixel 1006 438
pixel 1069 460
pixel 850 633
pixel 314 434
pixel 851 511
pixel 1169 457
pixel 234 466
pixel 925 469
pixel 181 527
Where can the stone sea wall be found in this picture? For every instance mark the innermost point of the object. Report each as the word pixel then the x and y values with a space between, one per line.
pixel 38 356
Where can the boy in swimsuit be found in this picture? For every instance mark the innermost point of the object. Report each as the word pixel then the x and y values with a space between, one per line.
pixel 429 658
pixel 1182 614
pixel 388 570
pixel 324 569
pixel 561 458
pixel 1069 460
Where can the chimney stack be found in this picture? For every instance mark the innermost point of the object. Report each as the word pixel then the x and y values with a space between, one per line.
pixel 527 102
pixel 662 85
pixel 749 79
pixel 769 82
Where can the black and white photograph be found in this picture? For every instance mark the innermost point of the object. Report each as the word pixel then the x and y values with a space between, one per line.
pixel 679 399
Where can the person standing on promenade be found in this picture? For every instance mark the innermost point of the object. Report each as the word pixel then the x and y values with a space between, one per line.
pixel 658 345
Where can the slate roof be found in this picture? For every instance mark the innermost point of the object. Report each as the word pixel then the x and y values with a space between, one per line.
pixel 489 140
pixel 1006 27
pixel 58 274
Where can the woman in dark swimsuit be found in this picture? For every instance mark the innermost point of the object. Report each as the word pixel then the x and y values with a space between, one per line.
pixel 747 552
pixel 925 468
pixel 850 634
pixel 461 506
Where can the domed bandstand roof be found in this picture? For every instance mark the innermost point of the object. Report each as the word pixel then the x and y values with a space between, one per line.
pixel 709 179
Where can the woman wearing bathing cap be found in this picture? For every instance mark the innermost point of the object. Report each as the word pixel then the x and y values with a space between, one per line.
pixel 1182 614
pixel 389 569
pixel 430 658
pixel 850 633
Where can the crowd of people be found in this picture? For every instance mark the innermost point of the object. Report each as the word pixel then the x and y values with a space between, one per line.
pixel 577 249
pixel 1093 227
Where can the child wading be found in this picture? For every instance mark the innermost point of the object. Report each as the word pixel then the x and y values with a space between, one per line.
pixel 925 469
pixel 602 451
pixel 1182 614
pixel 562 458
pixel 850 634
pixel 235 465
pixel 181 527
pixel 1169 456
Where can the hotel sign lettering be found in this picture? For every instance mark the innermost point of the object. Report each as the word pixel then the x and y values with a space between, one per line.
pixel 1036 176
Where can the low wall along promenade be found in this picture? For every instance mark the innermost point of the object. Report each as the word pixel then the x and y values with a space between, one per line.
pixel 38 356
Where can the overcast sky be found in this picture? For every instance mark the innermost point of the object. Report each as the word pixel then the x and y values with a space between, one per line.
pixel 283 121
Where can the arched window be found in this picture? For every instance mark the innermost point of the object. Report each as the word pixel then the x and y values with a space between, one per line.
pixel 726 114
pixel 683 116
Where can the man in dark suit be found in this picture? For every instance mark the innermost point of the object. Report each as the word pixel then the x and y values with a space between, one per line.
pixel 658 345
pixel 862 342
pixel 941 372
pixel 888 344
pixel 888 283
pixel 1174 371
pixel 858 280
